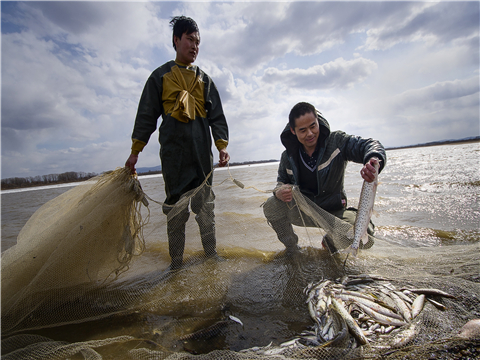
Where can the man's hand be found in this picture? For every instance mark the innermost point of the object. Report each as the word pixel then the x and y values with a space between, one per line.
pixel 284 193
pixel 224 158
pixel 130 163
pixel 368 171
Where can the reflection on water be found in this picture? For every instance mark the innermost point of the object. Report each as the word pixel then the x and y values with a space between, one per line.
pixel 431 187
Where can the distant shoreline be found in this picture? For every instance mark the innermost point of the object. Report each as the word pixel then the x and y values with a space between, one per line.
pixel 437 143
pixel 434 143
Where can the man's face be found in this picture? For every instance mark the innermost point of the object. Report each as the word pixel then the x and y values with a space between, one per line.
pixel 187 47
pixel 307 131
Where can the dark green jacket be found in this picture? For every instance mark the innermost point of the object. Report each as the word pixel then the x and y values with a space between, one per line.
pixel 185 148
pixel 336 150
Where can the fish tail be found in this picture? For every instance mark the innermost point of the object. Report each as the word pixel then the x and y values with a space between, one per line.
pixel 350 250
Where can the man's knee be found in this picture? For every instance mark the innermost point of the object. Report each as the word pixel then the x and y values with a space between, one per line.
pixel 203 201
pixel 350 215
pixel 176 217
pixel 274 209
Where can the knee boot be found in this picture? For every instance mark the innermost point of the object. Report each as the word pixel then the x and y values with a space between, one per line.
pixel 285 234
pixel 176 238
pixel 206 224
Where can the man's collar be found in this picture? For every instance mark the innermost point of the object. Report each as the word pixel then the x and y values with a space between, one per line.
pixel 315 152
pixel 190 66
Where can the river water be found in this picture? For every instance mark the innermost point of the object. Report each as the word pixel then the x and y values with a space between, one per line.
pixel 427 197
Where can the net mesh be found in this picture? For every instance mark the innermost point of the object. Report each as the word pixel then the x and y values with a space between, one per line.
pixel 79 282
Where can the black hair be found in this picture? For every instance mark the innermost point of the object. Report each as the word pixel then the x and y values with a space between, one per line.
pixel 182 25
pixel 298 110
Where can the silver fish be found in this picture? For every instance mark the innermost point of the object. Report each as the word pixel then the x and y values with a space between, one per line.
pixel 405 336
pixel 379 317
pixel 351 323
pixel 434 292
pixel 372 305
pixel 437 304
pixel 358 294
pixel 401 305
pixel 418 305
pixel 364 213
pixel 405 298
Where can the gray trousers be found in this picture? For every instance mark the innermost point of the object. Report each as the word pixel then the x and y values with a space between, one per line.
pixel 282 215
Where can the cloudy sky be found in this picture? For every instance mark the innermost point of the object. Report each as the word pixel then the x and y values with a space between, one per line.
pixel 72 74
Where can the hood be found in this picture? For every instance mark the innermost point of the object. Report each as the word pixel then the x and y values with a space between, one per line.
pixel 291 142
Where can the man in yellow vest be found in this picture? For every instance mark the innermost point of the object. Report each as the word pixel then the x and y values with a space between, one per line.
pixel 190 106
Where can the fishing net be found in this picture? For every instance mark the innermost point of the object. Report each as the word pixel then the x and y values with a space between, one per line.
pixel 92 278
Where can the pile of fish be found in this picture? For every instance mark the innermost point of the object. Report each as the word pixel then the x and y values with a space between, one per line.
pixel 367 307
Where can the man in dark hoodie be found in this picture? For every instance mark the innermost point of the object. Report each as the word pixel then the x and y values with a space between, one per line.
pixel 315 160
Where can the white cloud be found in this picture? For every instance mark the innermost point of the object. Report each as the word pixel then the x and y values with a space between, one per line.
pixel 73 72
pixel 439 93
pixel 339 73
pixel 427 22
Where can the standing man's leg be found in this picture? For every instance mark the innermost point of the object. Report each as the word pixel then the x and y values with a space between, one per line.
pixel 176 233
pixel 203 205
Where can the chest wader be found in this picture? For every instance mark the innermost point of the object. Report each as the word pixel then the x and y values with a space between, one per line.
pixel 176 233
pixel 202 204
